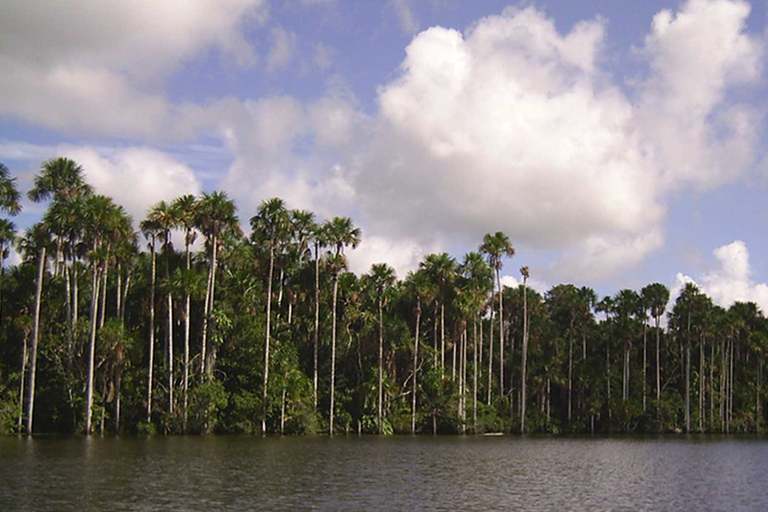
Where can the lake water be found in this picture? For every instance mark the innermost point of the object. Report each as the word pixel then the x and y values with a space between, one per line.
pixel 396 473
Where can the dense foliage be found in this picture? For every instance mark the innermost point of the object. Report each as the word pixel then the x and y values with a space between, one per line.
pixel 205 330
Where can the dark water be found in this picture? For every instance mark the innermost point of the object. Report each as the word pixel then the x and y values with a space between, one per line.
pixel 399 473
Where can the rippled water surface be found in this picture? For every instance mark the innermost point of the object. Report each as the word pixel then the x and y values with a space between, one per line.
pixel 397 473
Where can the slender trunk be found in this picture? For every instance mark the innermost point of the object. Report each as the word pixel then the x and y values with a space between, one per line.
pixel 474 375
pixel 21 381
pixel 150 378
pixel 96 281
pixel 118 388
pixel 35 338
pixel 701 386
pixel 712 385
pixel 658 370
pixel 119 291
pixel 570 376
pixel 490 359
pixel 75 290
pixel 333 350
pixel 282 413
pixel 317 323
pixel 434 336
pixel 688 389
pixel 415 370
pixel 523 383
pixel 501 335
pixel 211 362
pixel 187 307
pixel 170 333
pixel 206 306
pixel 103 306
pixel 68 309
pixel 645 360
pixel 266 342
pixel 381 365
pixel 608 378
pixel 722 384
pixel 442 337
pixel 758 404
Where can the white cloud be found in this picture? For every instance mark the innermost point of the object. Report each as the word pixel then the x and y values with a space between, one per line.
pixel 135 178
pixel 323 58
pixel 97 67
pixel 284 44
pixel 731 281
pixel 518 127
pixel 402 255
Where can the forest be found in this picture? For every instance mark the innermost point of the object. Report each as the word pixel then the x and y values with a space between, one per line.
pixel 188 326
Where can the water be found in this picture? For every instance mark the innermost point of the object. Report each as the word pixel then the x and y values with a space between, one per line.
pixel 398 473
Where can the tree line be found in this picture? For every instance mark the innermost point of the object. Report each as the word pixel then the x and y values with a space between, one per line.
pixel 189 326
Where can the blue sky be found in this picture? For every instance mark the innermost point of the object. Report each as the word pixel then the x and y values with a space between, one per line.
pixel 616 143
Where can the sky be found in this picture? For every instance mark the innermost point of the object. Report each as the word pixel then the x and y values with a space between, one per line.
pixel 616 143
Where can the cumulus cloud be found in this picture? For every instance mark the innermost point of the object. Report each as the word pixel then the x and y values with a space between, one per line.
pixel 135 178
pixel 518 127
pixel 731 281
pixel 402 255
pixel 99 66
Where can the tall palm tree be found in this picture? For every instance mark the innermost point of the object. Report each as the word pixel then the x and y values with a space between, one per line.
pixel 526 275
pixel 35 242
pixel 184 212
pixel 656 297
pixel 441 269
pixel 151 232
pixel 496 247
pixel 271 227
pixel 216 217
pixel 319 241
pixel 164 217
pixel 340 233
pixel 479 284
pixel 382 277
pixel 417 288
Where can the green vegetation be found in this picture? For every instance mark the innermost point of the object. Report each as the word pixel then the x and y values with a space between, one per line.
pixel 271 334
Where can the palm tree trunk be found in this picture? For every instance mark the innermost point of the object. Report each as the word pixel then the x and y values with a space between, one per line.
pixel 317 325
pixel 150 378
pixel 701 386
pixel 170 331
pixel 187 304
pixel 35 338
pixel 490 359
pixel 103 307
pixel 206 305
pixel 658 370
pixel 96 282
pixel 211 363
pixel 415 371
pixel 266 342
pixel 442 337
pixel 474 374
pixel 688 389
pixel 75 290
pixel 645 359
pixel 523 382
pixel 501 335
pixel 21 381
pixel 333 351
pixel 381 365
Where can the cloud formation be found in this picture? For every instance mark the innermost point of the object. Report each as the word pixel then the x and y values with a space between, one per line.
pixel 100 66
pixel 515 126
pixel 731 281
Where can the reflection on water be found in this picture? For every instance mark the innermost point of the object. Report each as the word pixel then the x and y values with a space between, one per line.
pixel 397 473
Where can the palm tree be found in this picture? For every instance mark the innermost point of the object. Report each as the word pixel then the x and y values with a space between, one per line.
pixel 271 226
pixel 184 212
pixel 7 238
pixel 382 278
pixel 417 288
pixel 339 233
pixel 34 242
pixel 163 216
pixel 441 269
pixel 682 317
pixel 479 282
pixel 526 275
pixel 216 217
pixel 497 247
pixel 9 194
pixel 101 215
pixel 151 232
pixel 655 296
pixel 318 239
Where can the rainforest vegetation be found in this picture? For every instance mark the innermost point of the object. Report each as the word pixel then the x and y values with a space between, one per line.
pixel 187 325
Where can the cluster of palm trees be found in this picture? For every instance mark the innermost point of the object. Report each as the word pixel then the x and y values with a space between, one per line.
pixel 271 333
